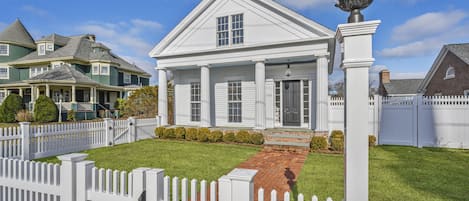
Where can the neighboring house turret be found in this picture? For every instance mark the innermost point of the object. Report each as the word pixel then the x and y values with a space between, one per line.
pixel 78 71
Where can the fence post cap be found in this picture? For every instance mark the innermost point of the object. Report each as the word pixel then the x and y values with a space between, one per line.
pixel 156 170
pixel 25 123
pixel 107 119
pixel 85 163
pixel 75 157
pixel 242 174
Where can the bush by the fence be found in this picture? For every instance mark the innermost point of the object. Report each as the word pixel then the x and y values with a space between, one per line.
pixel 256 138
pixel 242 137
pixel 371 140
pixel 180 133
pixel 169 133
pixel 159 132
pixel 319 143
pixel 229 137
pixel 191 134
pixel 337 140
pixel 24 116
pixel 71 115
pixel 215 136
pixel 202 136
pixel 45 109
pixel 337 134
pixel 10 107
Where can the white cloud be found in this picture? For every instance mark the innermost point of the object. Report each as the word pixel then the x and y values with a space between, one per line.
pixel 418 48
pixel 428 24
pixel 35 10
pixel 307 4
pixel 416 75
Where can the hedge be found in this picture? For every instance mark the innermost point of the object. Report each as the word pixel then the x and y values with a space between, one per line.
pixel 180 133
pixel 229 137
pixel 242 137
pixel 319 143
pixel 191 134
pixel 159 132
pixel 215 136
pixel 202 136
pixel 45 110
pixel 256 138
pixel 10 107
pixel 371 140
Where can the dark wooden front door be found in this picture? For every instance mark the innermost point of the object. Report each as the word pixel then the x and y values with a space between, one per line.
pixel 291 103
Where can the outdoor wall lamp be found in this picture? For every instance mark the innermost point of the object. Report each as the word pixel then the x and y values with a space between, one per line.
pixel 354 7
pixel 288 71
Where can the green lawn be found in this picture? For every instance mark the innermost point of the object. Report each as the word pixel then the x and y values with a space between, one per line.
pixel 182 159
pixel 396 173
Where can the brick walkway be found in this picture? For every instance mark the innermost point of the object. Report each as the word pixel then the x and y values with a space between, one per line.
pixel 277 170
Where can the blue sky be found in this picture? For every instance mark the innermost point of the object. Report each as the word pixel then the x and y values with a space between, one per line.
pixel 410 36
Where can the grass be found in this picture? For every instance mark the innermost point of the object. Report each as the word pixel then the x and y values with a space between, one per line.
pixel 192 160
pixel 396 173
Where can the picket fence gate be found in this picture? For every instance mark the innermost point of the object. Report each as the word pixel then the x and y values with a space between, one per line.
pixel 77 179
pixel 38 141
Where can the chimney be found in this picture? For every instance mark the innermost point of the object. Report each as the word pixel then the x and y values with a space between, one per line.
pixel 92 37
pixel 384 77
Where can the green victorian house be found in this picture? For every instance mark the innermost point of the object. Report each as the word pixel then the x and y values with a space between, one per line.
pixel 77 72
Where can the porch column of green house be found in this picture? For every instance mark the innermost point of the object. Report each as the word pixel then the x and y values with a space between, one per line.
pixel 47 90
pixel 21 92
pixel 74 101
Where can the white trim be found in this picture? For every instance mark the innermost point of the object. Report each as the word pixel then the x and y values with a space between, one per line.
pixel 8 50
pixel 40 51
pixel 449 74
pixel 93 72
pixel 104 66
pixel 7 73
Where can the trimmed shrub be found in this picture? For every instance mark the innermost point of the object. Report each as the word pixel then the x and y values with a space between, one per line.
pixel 256 138
pixel 24 116
pixel 191 134
pixel 337 134
pixel 229 137
pixel 242 137
pixel 371 140
pixel 45 110
pixel 71 115
pixel 180 133
pixel 202 136
pixel 169 133
pixel 159 132
pixel 337 144
pixel 215 136
pixel 10 107
pixel 319 143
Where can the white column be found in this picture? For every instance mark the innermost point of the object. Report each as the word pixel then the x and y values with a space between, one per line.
pixel 47 90
pixel 358 58
pixel 322 95
pixel 205 117
pixel 74 96
pixel 260 94
pixel 162 96
pixel 33 94
pixel 92 95
pixel 21 92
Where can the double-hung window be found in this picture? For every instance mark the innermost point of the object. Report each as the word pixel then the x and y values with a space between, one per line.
pixel 41 49
pixel 4 73
pixel 234 102
pixel 95 70
pixel 305 101
pixel 195 101
pixel 237 29
pixel 4 50
pixel 127 78
pixel 104 70
pixel 223 33
pixel 230 28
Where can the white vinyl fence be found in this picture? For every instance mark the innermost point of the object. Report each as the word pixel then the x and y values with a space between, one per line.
pixel 79 180
pixel 434 121
pixel 39 141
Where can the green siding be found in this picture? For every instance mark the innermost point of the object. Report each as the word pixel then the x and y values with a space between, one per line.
pixel 16 52
pixel 24 73
pixel 114 76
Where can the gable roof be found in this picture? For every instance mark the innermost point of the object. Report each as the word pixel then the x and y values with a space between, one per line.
pixel 55 38
pixel 17 34
pixel 79 48
pixel 62 74
pixel 460 50
pixel 205 4
pixel 402 87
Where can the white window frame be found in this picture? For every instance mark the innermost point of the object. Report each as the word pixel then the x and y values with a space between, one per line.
pixel 7 76
pixel 237 29
pixel 127 78
pixel 41 49
pixel 195 101
pixel 230 30
pixel 223 31
pixel 7 50
pixel 235 94
pixel 49 47
pixel 101 72
pixel 95 69
pixel 34 71
pixel 450 73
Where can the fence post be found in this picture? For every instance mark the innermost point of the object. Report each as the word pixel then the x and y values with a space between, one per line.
pixel 109 126
pixel 377 116
pixel 138 185
pixel 83 179
pixel 415 121
pixel 237 185
pixel 25 140
pixel 417 109
pixel 154 184
pixel 68 177
pixel 132 129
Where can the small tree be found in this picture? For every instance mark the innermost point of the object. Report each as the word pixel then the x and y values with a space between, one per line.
pixel 142 102
pixel 10 107
pixel 45 110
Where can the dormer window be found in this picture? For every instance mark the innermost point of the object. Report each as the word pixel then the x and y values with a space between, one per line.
pixel 450 73
pixel 237 29
pixel 50 47
pixel 4 50
pixel 41 49
pixel 233 24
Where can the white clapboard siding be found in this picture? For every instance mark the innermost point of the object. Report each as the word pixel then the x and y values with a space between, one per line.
pixel 10 142
pixel 21 179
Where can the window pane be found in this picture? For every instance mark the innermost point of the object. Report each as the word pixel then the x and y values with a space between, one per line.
pixel 222 31
pixel 234 101
pixel 195 101
pixel 3 49
pixel 237 28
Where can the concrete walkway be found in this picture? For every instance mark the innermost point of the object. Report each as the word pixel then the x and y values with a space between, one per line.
pixel 277 170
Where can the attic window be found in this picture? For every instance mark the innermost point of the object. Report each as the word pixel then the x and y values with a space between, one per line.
pixel 450 73
pixel 41 49
pixel 223 33
pixel 4 50
pixel 233 24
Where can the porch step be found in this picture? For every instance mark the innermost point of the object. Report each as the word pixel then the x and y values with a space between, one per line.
pixel 289 144
pixel 286 135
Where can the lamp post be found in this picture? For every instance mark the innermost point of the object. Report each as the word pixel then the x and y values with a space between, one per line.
pixel 356 38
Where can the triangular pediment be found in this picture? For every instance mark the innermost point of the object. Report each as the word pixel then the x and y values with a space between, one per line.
pixel 265 22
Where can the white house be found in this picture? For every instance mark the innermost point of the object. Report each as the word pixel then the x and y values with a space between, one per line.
pixel 246 64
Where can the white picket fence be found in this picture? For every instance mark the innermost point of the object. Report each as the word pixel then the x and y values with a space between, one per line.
pixel 434 121
pixel 39 141
pixel 79 180
pixel 286 196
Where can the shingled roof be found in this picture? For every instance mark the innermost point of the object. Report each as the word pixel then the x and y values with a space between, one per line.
pixel 460 50
pixel 64 73
pixel 17 34
pixel 402 87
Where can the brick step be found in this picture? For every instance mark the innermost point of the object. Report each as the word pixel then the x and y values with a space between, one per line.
pixel 288 135
pixel 278 139
pixel 291 149
pixel 289 144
